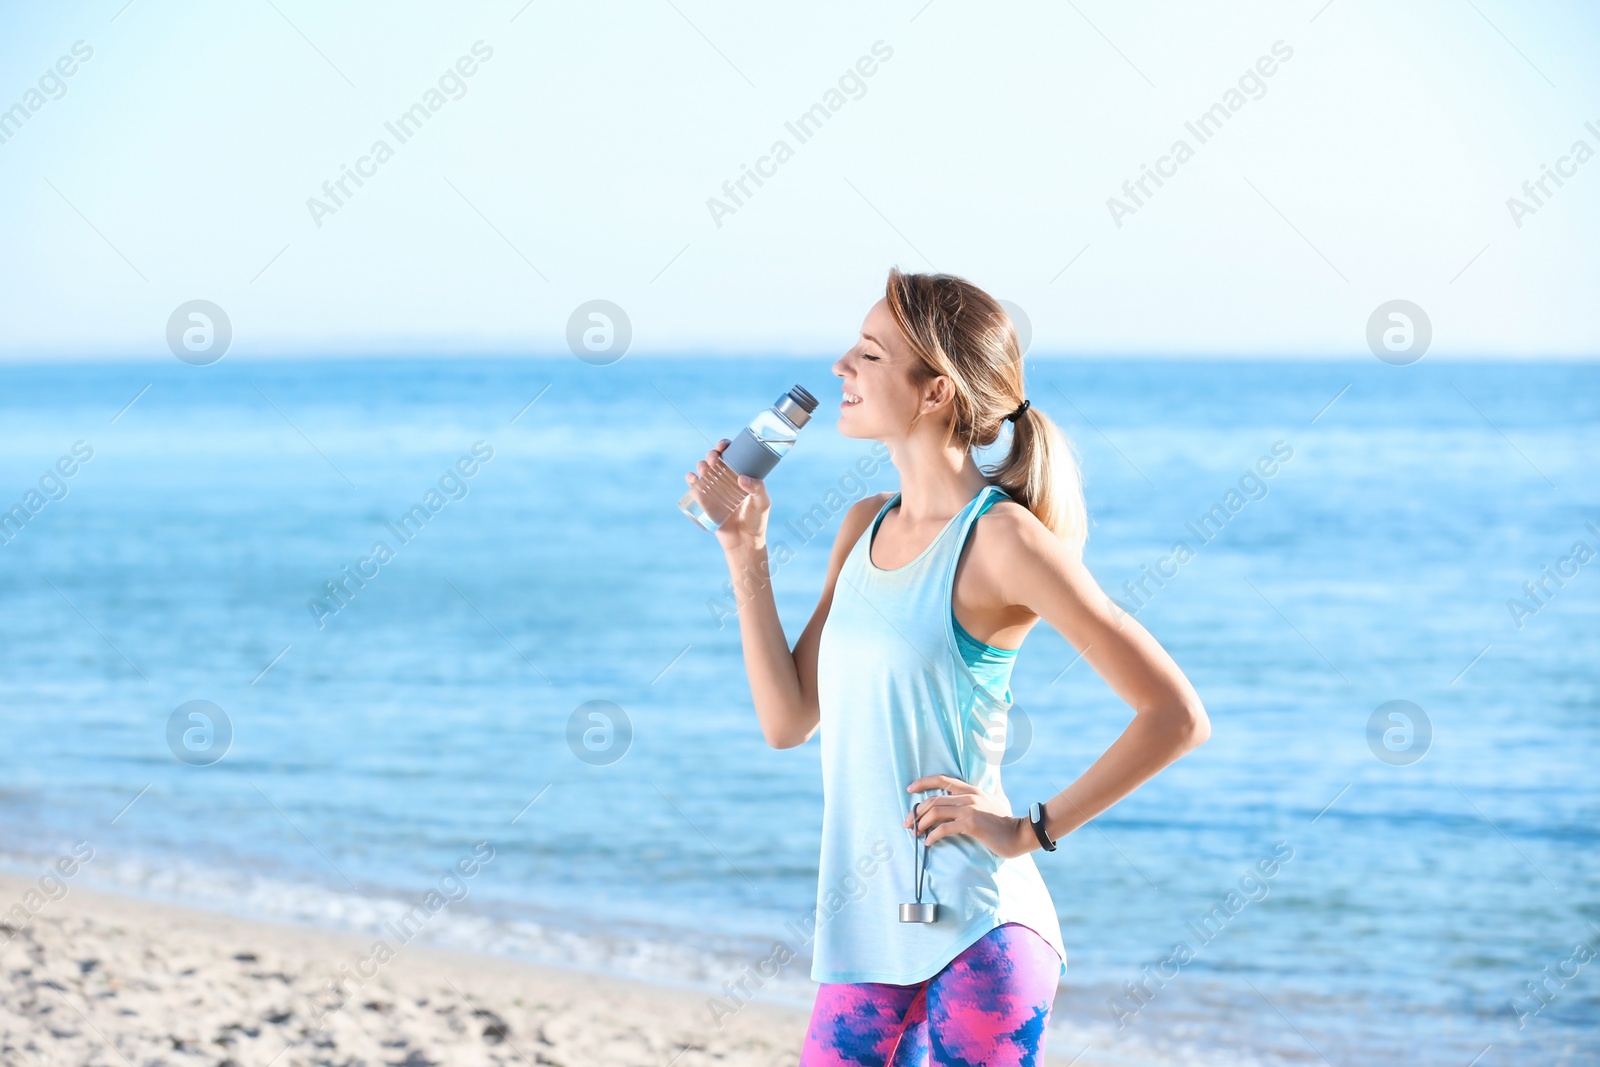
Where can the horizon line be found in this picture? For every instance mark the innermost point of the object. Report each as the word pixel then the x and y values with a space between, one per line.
pixel 19 358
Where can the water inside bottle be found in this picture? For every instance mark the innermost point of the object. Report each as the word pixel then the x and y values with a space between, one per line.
pixel 773 432
pixel 712 500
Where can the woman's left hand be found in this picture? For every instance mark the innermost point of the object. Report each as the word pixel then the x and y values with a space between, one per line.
pixel 969 810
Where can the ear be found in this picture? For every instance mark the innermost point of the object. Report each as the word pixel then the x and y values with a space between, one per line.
pixel 937 393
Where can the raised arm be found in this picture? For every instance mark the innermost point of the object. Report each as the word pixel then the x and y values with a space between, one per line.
pixel 783 683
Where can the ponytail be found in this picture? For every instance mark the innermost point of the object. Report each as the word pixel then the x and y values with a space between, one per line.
pixel 1041 473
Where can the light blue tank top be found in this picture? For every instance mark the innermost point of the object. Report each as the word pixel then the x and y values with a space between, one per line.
pixel 900 701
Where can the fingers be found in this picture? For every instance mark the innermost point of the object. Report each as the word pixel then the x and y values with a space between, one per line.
pixel 945 829
pixel 967 822
pixel 931 812
pixel 704 465
pixel 941 781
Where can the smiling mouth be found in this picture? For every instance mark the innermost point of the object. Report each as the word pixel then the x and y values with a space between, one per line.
pixel 850 399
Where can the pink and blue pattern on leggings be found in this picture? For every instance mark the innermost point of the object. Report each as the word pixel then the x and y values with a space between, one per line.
pixel 987 1007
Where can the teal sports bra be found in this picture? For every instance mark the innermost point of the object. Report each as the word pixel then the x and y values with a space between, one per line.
pixel 990 665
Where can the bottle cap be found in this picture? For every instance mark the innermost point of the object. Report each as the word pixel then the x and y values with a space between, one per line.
pixel 796 405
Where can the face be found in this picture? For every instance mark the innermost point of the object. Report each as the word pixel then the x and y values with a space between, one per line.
pixel 878 370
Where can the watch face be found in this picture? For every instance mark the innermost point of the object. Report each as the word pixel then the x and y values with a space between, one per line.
pixel 1033 812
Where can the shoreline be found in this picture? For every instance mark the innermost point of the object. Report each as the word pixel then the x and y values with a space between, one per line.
pixel 102 977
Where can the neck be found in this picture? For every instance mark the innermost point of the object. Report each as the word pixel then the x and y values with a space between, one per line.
pixel 935 481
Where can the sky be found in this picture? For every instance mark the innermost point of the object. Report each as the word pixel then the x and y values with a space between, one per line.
pixel 1358 153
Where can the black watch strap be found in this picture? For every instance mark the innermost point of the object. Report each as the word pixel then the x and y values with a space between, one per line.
pixel 1036 820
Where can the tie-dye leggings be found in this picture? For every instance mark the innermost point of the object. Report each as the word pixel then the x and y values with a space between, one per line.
pixel 987 1006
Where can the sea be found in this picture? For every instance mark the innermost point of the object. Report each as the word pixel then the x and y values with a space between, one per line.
pixel 423 648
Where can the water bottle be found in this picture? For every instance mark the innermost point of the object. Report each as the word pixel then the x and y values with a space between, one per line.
pixel 713 499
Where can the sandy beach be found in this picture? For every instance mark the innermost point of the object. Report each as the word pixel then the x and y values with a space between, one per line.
pixel 108 980
pixel 104 980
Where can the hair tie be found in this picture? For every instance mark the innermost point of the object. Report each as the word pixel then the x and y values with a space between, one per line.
pixel 1013 416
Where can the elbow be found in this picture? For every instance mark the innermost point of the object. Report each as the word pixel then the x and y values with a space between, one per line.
pixel 793 739
pixel 794 732
pixel 778 742
pixel 1182 725
pixel 1194 725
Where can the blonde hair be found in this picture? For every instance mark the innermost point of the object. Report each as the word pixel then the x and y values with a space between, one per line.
pixel 960 331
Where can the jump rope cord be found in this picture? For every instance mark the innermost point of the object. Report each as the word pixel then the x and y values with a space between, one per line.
pixel 916 838
pixel 918 871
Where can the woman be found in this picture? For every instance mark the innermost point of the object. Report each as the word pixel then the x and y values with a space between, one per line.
pixel 904 667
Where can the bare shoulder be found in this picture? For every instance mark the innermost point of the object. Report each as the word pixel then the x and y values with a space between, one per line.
pixel 858 518
pixel 1008 540
pixel 851 527
pixel 1008 527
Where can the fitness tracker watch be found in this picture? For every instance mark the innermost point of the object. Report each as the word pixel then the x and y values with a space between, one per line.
pixel 1036 818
